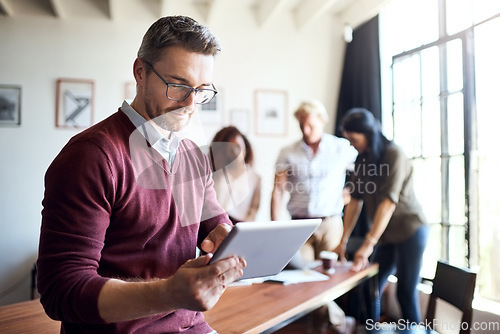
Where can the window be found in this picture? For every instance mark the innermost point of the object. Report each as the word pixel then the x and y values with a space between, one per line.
pixel 440 60
pixel 488 160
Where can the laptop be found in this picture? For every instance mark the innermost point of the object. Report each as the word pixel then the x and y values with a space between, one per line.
pixel 267 247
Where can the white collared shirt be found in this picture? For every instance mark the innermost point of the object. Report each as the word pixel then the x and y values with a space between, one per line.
pixel 316 181
pixel 166 147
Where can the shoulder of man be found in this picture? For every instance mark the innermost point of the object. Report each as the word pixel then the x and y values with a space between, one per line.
pixel 106 132
pixel 337 141
pixel 193 153
pixel 293 147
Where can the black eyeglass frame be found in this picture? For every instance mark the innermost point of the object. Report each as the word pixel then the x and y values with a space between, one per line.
pixel 191 89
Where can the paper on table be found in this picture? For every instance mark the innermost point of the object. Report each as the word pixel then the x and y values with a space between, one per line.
pixel 286 277
pixel 298 276
pixel 250 281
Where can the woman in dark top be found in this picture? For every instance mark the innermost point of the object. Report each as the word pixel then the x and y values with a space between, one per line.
pixel 382 181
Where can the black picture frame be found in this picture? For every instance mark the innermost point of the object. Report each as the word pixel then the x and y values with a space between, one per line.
pixel 10 105
pixel 74 103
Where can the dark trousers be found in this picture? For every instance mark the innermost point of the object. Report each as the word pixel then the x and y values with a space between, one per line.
pixel 405 260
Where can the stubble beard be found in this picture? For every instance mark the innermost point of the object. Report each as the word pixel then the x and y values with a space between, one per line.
pixel 169 119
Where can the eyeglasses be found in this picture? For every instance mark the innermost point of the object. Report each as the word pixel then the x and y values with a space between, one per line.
pixel 178 92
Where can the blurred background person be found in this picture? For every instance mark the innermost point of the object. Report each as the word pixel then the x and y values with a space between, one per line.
pixel 382 180
pixel 313 171
pixel 236 183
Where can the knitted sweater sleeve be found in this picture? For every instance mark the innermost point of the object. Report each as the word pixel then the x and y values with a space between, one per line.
pixel 76 213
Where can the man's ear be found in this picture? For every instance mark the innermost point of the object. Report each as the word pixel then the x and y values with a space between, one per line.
pixel 139 71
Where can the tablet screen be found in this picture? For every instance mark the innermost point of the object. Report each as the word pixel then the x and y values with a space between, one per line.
pixel 267 247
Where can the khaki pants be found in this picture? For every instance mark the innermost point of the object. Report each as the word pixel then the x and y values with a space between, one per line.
pixel 326 237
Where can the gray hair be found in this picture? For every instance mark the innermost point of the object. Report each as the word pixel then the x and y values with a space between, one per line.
pixel 312 107
pixel 177 31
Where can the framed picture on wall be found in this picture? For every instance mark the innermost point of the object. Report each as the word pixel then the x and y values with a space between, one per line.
pixel 130 90
pixel 271 112
pixel 10 105
pixel 211 113
pixel 74 103
pixel 240 118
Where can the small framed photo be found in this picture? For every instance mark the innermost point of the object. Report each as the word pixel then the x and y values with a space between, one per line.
pixel 10 105
pixel 130 90
pixel 241 119
pixel 75 103
pixel 271 112
pixel 211 113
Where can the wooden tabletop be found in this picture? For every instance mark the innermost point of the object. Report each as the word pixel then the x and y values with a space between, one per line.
pixel 27 317
pixel 241 309
pixel 258 307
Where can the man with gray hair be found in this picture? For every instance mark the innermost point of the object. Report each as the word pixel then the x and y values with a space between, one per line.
pixel 128 201
pixel 313 170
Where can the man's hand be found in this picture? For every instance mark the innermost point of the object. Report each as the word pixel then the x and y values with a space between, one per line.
pixel 197 286
pixel 280 179
pixel 215 238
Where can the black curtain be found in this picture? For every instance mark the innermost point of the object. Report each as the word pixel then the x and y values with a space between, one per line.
pixel 360 85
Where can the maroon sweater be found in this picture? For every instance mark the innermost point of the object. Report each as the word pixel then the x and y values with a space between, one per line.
pixel 114 209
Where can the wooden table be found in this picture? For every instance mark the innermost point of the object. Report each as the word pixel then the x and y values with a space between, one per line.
pixel 27 317
pixel 241 309
pixel 265 307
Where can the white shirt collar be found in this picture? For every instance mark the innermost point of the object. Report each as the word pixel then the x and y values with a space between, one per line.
pixel 167 147
pixel 147 129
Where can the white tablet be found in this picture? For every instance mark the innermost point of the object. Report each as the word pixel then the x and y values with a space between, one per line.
pixel 267 247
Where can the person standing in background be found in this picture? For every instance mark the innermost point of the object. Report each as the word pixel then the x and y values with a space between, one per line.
pixel 236 183
pixel 313 171
pixel 383 181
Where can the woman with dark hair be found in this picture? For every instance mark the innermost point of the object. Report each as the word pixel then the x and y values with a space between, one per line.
pixel 382 180
pixel 235 181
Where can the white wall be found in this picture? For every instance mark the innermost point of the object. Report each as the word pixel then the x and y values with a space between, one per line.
pixel 36 51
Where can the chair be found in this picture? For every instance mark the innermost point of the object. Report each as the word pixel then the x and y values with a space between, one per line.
pixel 456 287
pixel 452 285
pixel 34 290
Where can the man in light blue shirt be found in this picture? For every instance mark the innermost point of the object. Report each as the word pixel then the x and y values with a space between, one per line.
pixel 313 170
